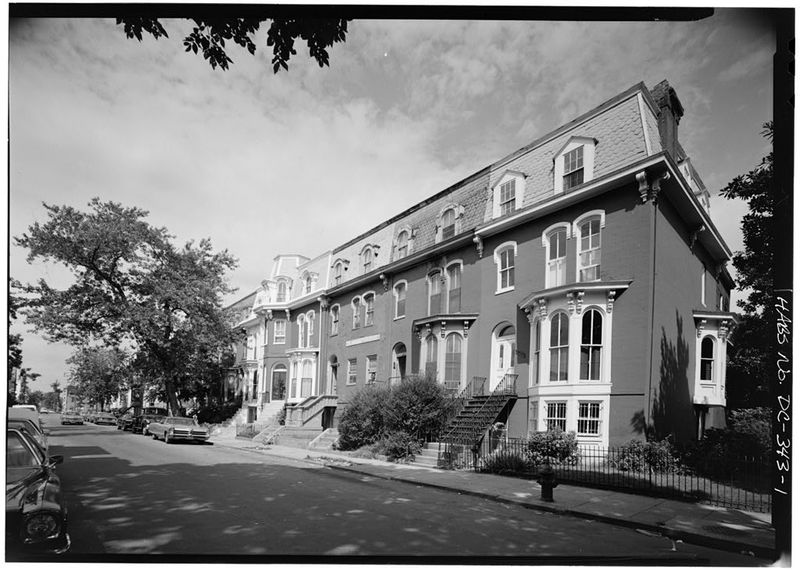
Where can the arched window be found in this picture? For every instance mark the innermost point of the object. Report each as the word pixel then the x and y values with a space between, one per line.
pixel 307 285
pixel 431 356
pixel 504 257
pixel 310 317
pixel 537 348
pixel 400 300
pixel 402 244
pixel 454 288
pixel 356 304
pixel 448 224
pixel 338 271
pixel 302 333
pixel 559 347
pixel 452 362
pixel 281 297
pixel 557 257
pixel 369 309
pixel 707 360
pixel 591 345
pixel 434 293
pixel 589 249
pixel 254 393
pixel 335 320
pixel 366 260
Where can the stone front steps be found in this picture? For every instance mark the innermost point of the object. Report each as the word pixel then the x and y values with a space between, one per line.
pixel 326 440
pixel 429 456
pixel 298 437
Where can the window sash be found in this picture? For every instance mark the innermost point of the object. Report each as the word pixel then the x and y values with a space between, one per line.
pixel 573 179
pixel 508 197
pixel 557 272
pixel 335 321
pixel 589 418
pixel 369 312
pixel 351 371
pixel 280 332
pixel 556 416
pixel 372 369
pixel 454 300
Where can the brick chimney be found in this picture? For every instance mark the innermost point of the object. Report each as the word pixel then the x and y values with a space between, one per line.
pixel 670 112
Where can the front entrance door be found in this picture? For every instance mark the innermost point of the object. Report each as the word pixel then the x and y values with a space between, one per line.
pixel 504 354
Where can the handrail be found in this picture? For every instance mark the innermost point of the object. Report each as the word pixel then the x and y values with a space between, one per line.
pixel 505 388
pixel 308 408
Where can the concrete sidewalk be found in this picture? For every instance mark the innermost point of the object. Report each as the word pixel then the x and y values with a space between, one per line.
pixel 705 525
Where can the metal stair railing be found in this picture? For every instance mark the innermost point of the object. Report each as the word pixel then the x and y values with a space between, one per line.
pixel 479 421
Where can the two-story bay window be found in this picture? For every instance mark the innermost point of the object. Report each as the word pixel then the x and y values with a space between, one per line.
pixel 400 300
pixel 559 347
pixel 573 168
pixel 537 349
pixel 454 288
pixel 508 197
pixel 280 331
pixel 335 320
pixel 556 418
pixel 435 293
pixel 557 257
pixel 588 418
pixel 302 332
pixel 369 309
pixel 591 345
pixel 589 250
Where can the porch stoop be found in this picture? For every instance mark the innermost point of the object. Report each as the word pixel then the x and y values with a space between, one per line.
pixel 429 456
pixel 300 437
pixel 325 440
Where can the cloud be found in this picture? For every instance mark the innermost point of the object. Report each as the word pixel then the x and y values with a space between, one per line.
pixel 753 63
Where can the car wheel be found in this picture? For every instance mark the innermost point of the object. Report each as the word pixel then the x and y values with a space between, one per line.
pixel 166 438
pixel 145 431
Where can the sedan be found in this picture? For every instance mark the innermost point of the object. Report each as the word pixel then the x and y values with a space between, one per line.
pixel 173 429
pixel 104 419
pixel 71 418
pixel 36 516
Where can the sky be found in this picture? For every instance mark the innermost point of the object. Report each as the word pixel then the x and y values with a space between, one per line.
pixel 304 160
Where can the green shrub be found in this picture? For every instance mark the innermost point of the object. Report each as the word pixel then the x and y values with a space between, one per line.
pixel 503 461
pixel 553 446
pixel 417 407
pixel 642 457
pixel 399 446
pixel 362 422
pixel 217 413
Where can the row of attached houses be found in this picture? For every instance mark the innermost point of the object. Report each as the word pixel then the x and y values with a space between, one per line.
pixel 584 267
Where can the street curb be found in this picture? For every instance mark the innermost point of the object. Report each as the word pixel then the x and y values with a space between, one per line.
pixel 688 537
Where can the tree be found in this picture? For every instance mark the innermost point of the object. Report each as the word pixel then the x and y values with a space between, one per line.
pixel 26 376
pixel 14 346
pixel 132 287
pixel 56 404
pixel 97 374
pixel 748 359
pixel 209 35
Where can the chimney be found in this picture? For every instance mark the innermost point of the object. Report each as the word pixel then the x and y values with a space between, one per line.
pixel 670 112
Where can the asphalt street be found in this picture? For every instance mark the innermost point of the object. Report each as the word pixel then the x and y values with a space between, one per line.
pixel 131 495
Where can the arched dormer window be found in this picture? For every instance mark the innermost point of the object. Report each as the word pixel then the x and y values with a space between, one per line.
pixel 573 164
pixel 283 291
pixel 366 260
pixel 402 244
pixel 338 272
pixel 554 240
pixel 508 194
pixel 449 223
pixel 587 231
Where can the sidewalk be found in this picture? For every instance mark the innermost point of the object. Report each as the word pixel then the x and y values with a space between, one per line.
pixel 705 525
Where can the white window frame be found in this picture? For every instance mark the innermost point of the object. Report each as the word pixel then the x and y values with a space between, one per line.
pixel 589 419
pixel 593 345
pixel 279 338
pixel 397 285
pixel 368 315
pixel 455 263
pixel 713 380
pixel 338 273
pixel 572 143
pixel 560 347
pixel 398 253
pixel 367 267
pixel 519 192
pixel 371 359
pixel 355 305
pixel 509 245
pixel 311 317
pixel 352 371
pixel 302 332
pixel 436 274
pixel 561 261
pixel 287 294
pixel 461 355
pixel 408 230
pixel 577 232
pixel 547 418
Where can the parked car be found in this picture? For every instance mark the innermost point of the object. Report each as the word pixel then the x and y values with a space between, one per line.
pixel 71 418
pixel 148 416
pixel 125 421
pixel 25 407
pixel 105 418
pixel 36 516
pixel 34 430
pixel 173 429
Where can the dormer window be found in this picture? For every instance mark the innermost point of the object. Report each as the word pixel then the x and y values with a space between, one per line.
pixel 402 244
pixel 338 271
pixel 449 224
pixel 573 165
pixel 573 168
pixel 282 290
pixel 508 194
pixel 307 285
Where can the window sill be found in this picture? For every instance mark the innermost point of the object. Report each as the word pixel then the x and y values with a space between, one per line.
pixel 501 291
pixel 401 317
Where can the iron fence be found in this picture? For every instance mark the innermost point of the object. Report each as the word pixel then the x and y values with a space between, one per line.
pixel 741 482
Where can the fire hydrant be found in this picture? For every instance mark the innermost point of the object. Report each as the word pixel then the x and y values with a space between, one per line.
pixel 547 480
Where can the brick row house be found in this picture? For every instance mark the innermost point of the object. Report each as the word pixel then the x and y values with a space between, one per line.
pixel 582 272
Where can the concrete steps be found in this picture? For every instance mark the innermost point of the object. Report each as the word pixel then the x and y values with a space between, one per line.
pixel 326 440
pixel 429 456
pixel 298 437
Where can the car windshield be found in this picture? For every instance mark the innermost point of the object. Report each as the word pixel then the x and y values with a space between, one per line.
pixel 18 454
pixel 181 421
